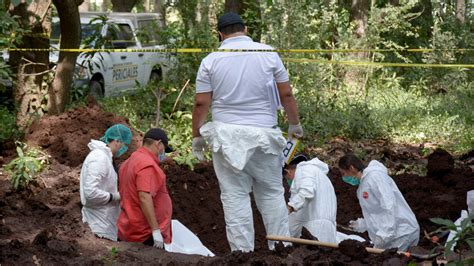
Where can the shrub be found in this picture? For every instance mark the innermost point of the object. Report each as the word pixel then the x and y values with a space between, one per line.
pixel 26 167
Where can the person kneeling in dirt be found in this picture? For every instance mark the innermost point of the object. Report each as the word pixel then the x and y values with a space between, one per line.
pixel 98 182
pixel 312 201
pixel 387 217
pixel 146 205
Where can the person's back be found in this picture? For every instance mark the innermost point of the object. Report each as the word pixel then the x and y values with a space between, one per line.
pixel 241 88
pixel 314 199
pixel 381 199
pixel 243 83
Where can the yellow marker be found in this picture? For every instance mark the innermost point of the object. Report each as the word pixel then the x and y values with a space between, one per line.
pixel 290 150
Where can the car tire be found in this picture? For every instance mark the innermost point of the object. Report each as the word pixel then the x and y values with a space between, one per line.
pixel 155 77
pixel 96 89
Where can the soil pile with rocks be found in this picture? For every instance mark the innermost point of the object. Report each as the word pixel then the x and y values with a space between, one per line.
pixel 65 137
pixel 43 226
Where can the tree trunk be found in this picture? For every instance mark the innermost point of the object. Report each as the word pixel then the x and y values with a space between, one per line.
pixel 359 15
pixel 68 13
pixel 31 67
pixel 160 8
pixel 461 11
pixel 254 25
pixel 354 76
pixel 123 5
pixel 105 5
pixel 84 7
pixel 394 2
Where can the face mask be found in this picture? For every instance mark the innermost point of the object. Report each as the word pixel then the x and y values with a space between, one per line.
pixel 351 180
pixel 162 156
pixel 121 151
pixel 289 181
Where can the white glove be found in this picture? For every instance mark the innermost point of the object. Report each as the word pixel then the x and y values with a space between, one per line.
pixel 199 144
pixel 158 239
pixel 116 196
pixel 358 225
pixel 295 131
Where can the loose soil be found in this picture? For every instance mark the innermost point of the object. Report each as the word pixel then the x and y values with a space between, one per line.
pixel 43 225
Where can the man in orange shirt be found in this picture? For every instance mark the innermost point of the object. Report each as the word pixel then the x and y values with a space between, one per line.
pixel 145 202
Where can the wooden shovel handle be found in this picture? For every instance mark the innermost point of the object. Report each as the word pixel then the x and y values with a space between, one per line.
pixel 315 243
pixel 332 245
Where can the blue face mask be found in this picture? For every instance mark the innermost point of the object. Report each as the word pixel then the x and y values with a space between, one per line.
pixel 121 151
pixel 162 156
pixel 351 180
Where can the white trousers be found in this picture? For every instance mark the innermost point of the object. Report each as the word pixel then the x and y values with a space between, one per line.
pixel 322 229
pixel 262 173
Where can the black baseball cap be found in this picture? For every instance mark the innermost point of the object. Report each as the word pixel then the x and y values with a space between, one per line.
pixel 227 19
pixel 158 134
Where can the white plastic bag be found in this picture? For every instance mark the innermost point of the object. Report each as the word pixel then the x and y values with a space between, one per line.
pixel 184 241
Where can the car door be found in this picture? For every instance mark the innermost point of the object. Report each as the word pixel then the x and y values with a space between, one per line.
pixel 149 38
pixel 123 66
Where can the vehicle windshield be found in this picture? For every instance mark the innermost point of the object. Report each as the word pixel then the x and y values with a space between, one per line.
pixel 87 30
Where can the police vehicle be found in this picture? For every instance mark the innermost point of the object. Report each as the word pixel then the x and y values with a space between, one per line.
pixel 111 73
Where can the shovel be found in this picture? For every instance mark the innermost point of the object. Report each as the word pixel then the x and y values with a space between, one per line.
pixel 332 245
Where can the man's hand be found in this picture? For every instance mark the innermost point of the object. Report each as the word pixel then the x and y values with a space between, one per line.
pixel 157 239
pixel 199 144
pixel 295 131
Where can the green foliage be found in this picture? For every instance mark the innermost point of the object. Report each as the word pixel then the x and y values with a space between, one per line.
pixel 8 128
pixel 178 126
pixel 111 257
pixel 26 167
pixel 10 34
pixel 464 233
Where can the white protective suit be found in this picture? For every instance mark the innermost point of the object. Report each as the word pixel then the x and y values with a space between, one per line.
pixel 98 180
pixel 314 201
pixel 389 220
pixel 248 158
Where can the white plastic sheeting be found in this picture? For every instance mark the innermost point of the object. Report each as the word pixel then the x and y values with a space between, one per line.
pixel 185 242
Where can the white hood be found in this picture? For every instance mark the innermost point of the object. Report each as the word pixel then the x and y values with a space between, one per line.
pixel 375 166
pixel 316 163
pixel 99 145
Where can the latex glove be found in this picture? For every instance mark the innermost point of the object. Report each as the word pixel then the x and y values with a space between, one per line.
pixel 358 225
pixel 199 144
pixel 158 239
pixel 295 131
pixel 116 196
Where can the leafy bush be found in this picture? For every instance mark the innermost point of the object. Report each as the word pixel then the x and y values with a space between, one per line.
pixel 8 129
pixel 464 234
pixel 26 167
pixel 178 126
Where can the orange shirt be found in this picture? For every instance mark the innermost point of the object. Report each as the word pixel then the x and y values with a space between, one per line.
pixel 141 172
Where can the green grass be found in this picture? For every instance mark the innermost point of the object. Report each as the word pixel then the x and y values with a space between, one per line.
pixel 387 111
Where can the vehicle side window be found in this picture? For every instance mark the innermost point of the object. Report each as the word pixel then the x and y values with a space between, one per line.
pixel 148 32
pixel 120 36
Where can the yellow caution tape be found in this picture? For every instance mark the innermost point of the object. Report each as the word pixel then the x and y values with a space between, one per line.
pixel 209 50
pixel 381 64
pixel 295 60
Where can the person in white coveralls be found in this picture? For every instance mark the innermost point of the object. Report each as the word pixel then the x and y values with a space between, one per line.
pixel 98 182
pixel 243 136
pixel 312 202
pixel 387 217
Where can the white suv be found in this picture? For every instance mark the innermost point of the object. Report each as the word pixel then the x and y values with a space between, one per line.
pixel 110 73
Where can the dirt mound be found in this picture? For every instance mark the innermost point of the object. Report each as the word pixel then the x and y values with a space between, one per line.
pixel 65 137
pixel 440 163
